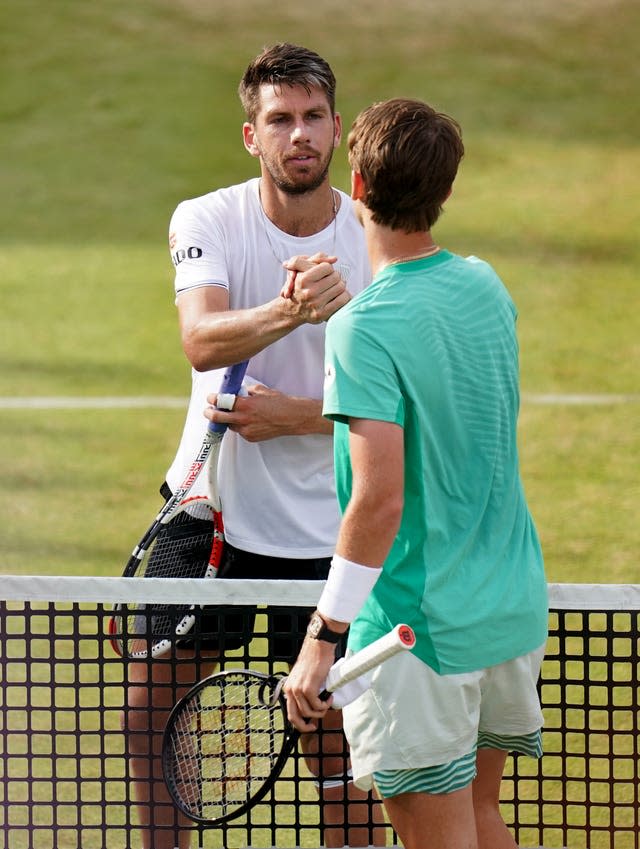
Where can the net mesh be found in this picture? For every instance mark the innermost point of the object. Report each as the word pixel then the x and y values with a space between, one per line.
pixel 67 768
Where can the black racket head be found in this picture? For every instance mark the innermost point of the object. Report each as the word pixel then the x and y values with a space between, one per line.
pixel 187 545
pixel 225 744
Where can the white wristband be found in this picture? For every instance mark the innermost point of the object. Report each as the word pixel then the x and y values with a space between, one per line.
pixel 347 588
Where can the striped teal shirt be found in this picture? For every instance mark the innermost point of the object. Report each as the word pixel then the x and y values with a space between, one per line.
pixel 431 345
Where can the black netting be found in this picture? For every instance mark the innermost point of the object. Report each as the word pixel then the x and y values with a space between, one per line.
pixel 66 771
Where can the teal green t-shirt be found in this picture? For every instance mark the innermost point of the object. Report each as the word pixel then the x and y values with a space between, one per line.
pixel 431 346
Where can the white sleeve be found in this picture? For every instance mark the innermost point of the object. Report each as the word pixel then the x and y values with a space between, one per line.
pixel 197 243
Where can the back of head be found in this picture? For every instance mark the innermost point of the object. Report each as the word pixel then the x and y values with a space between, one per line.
pixel 285 64
pixel 408 155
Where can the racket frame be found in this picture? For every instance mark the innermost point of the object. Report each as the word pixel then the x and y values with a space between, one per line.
pixel 209 451
pixel 119 635
pixel 401 638
pixel 290 737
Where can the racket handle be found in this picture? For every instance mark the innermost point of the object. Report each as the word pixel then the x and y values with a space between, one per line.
pixel 400 639
pixel 231 383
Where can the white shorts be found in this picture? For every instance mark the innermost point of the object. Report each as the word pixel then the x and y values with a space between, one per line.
pixel 412 717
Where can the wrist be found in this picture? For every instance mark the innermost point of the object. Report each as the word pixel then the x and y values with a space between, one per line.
pixel 347 588
pixel 319 629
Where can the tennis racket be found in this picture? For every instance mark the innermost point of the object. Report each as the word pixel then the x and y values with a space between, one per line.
pixel 227 741
pixel 185 540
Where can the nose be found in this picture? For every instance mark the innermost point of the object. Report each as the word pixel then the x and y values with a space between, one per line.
pixel 300 132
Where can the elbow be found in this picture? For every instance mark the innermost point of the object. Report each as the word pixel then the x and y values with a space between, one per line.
pixel 200 363
pixel 394 509
pixel 386 513
pixel 200 355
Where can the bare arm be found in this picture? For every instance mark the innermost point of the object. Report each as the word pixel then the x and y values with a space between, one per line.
pixel 372 517
pixel 368 529
pixel 266 413
pixel 214 336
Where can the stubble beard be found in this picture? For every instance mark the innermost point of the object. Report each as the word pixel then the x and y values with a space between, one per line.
pixel 303 184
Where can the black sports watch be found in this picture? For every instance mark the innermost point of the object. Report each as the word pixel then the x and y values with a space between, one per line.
pixel 318 629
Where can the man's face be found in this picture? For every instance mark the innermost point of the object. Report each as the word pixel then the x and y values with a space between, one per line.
pixel 294 136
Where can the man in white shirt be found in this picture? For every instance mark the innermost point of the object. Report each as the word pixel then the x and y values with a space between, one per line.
pixel 260 267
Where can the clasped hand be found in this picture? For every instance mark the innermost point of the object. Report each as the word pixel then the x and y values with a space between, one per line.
pixel 314 287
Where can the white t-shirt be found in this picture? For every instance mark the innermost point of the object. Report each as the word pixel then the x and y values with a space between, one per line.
pixel 278 495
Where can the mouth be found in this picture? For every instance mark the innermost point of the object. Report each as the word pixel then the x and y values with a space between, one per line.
pixel 304 158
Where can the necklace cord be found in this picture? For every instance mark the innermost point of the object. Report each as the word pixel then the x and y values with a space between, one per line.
pixel 434 249
pixel 265 226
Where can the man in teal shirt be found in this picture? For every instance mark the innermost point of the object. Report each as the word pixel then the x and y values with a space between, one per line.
pixel 422 384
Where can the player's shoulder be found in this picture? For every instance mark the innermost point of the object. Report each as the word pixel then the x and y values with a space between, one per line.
pixel 480 268
pixel 475 264
pixel 484 280
pixel 221 200
pixel 471 268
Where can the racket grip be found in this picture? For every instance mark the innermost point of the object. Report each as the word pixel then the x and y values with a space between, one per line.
pixel 231 383
pixel 401 638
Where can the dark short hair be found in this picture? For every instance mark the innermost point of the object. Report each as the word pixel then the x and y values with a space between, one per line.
pixel 285 64
pixel 408 155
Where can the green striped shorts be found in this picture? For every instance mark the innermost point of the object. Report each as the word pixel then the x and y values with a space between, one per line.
pixel 456 774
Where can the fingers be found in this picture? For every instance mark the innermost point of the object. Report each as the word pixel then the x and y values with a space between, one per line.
pixel 303 725
pixel 301 263
pixel 304 710
pixel 304 263
pixel 260 415
pixel 305 682
pixel 221 409
pixel 289 285
pixel 219 416
pixel 318 292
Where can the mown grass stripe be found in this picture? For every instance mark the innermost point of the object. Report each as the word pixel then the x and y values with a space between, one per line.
pixel 170 402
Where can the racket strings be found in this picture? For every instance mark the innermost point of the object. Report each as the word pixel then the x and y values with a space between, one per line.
pixel 182 549
pixel 223 746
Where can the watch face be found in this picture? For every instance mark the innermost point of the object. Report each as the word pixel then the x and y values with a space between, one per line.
pixel 318 630
pixel 315 625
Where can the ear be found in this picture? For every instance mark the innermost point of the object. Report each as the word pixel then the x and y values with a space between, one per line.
pixel 337 129
pixel 250 140
pixel 358 188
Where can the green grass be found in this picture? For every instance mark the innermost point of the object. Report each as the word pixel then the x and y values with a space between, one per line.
pixel 113 112
pixel 86 485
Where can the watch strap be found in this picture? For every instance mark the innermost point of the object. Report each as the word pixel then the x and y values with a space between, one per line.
pixel 319 630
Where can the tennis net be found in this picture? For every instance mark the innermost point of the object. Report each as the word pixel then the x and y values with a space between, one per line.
pixel 67 768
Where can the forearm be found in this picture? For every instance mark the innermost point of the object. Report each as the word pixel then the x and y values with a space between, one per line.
pixel 367 531
pixel 371 519
pixel 218 339
pixel 267 414
pixel 214 336
pixel 364 541
pixel 303 416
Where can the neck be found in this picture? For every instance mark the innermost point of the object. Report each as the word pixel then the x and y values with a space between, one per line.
pixel 299 215
pixel 390 247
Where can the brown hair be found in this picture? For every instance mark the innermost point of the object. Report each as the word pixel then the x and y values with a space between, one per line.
pixel 408 155
pixel 285 64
